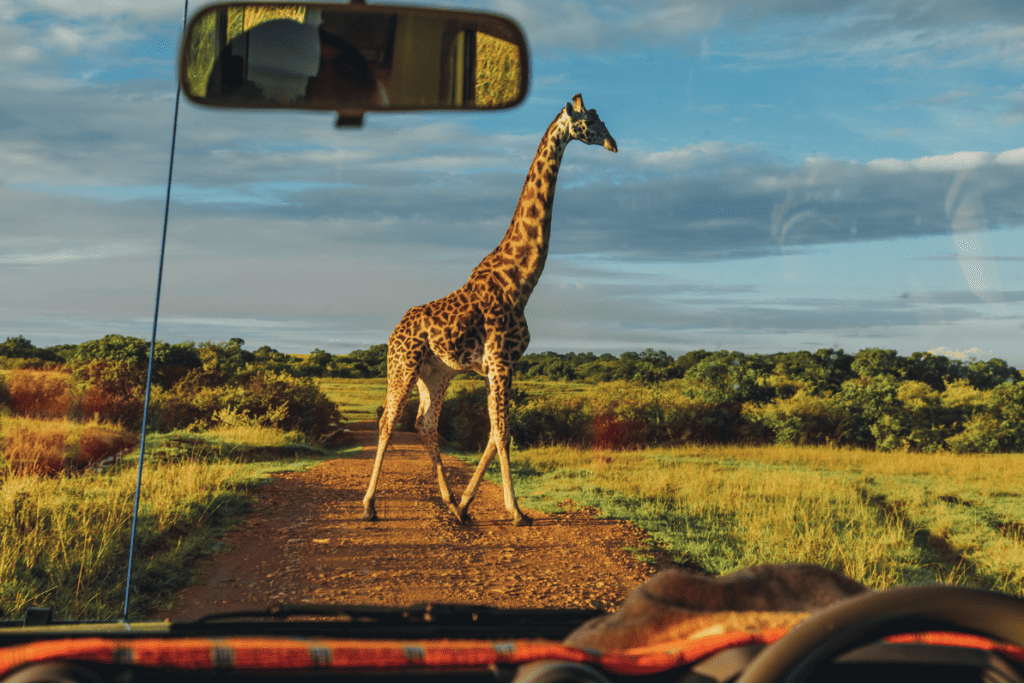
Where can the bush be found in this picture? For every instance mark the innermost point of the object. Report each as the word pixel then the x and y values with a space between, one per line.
pixel 692 420
pixel 40 394
pixel 800 419
pixel 114 391
pixel 259 396
pixel 5 397
pixel 289 403
pixel 552 420
pixel 1006 407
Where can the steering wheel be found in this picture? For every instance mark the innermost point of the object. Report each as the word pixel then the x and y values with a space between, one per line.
pixel 869 617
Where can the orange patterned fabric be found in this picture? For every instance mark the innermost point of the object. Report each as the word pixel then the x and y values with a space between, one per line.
pixel 283 653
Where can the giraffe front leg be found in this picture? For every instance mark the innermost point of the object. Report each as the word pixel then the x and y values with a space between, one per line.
pixel 398 393
pixel 383 438
pixel 470 492
pixel 519 519
pixel 499 388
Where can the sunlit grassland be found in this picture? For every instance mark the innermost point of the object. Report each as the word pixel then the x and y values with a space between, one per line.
pixel 884 519
pixel 64 540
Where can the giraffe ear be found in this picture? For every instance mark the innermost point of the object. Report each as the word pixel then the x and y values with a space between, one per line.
pixel 568 106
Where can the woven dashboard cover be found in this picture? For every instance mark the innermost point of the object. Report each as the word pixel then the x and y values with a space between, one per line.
pixel 282 653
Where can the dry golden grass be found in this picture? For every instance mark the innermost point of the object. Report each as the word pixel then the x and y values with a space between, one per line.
pixel 498 71
pixel 64 540
pixel 45 446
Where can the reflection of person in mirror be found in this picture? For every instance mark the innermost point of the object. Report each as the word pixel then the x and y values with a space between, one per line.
pixel 344 77
pixel 291 63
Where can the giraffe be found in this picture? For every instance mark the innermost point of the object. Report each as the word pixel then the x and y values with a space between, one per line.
pixel 481 327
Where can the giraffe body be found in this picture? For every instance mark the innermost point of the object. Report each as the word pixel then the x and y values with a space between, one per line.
pixel 481 326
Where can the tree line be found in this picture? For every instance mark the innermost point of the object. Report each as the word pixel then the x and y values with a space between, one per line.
pixel 875 398
pixel 728 375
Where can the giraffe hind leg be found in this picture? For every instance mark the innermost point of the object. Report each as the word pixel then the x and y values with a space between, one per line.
pixel 433 383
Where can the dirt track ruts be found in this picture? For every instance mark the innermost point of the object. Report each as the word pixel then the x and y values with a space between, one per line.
pixel 306 542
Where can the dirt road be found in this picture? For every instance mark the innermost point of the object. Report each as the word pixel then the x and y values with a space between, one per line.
pixel 307 542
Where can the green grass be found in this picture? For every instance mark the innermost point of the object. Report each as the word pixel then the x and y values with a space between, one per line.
pixel 357 399
pixel 884 519
pixel 64 540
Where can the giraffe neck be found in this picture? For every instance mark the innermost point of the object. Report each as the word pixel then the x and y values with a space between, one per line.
pixel 518 260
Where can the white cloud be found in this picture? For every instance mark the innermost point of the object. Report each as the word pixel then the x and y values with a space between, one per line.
pixel 1011 156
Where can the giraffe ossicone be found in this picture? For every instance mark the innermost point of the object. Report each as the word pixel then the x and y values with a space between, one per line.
pixel 481 327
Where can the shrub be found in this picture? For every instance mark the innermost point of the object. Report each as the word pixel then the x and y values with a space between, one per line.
pixel 692 420
pixel 610 432
pixel 980 434
pixel 927 422
pixel 114 391
pixel 465 419
pixel 289 403
pixel 800 419
pixel 40 394
pixel 1006 407
pixel 873 412
pixel 552 420
pixel 257 396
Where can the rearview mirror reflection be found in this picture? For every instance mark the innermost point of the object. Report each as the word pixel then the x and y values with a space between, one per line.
pixel 352 57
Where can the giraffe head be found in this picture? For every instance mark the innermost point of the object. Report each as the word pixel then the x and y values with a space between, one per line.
pixel 585 125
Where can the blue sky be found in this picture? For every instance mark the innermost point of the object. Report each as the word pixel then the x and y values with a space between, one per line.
pixel 786 179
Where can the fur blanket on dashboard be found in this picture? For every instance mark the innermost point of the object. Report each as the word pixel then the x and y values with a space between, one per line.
pixel 676 604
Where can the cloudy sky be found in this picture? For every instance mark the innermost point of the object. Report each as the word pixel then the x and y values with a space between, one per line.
pixel 786 179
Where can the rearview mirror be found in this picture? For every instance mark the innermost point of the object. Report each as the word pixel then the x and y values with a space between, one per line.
pixel 353 58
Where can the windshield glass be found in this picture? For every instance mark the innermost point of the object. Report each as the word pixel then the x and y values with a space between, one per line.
pixel 780 324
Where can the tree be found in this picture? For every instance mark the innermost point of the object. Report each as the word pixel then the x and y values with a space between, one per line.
pixel 876 363
pixel 626 367
pixel 687 361
pixel 729 378
pixel 117 348
pixel 21 348
pixel 991 374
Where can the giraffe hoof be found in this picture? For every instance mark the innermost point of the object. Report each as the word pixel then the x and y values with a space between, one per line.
pixel 462 517
pixel 522 520
pixel 370 515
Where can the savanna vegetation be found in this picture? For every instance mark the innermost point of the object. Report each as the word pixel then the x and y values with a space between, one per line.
pixel 882 518
pixel 891 469
pixel 70 420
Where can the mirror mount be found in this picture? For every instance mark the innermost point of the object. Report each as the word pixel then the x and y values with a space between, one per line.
pixel 349 120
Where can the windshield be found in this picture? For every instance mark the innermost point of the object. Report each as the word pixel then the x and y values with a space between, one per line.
pixel 780 324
